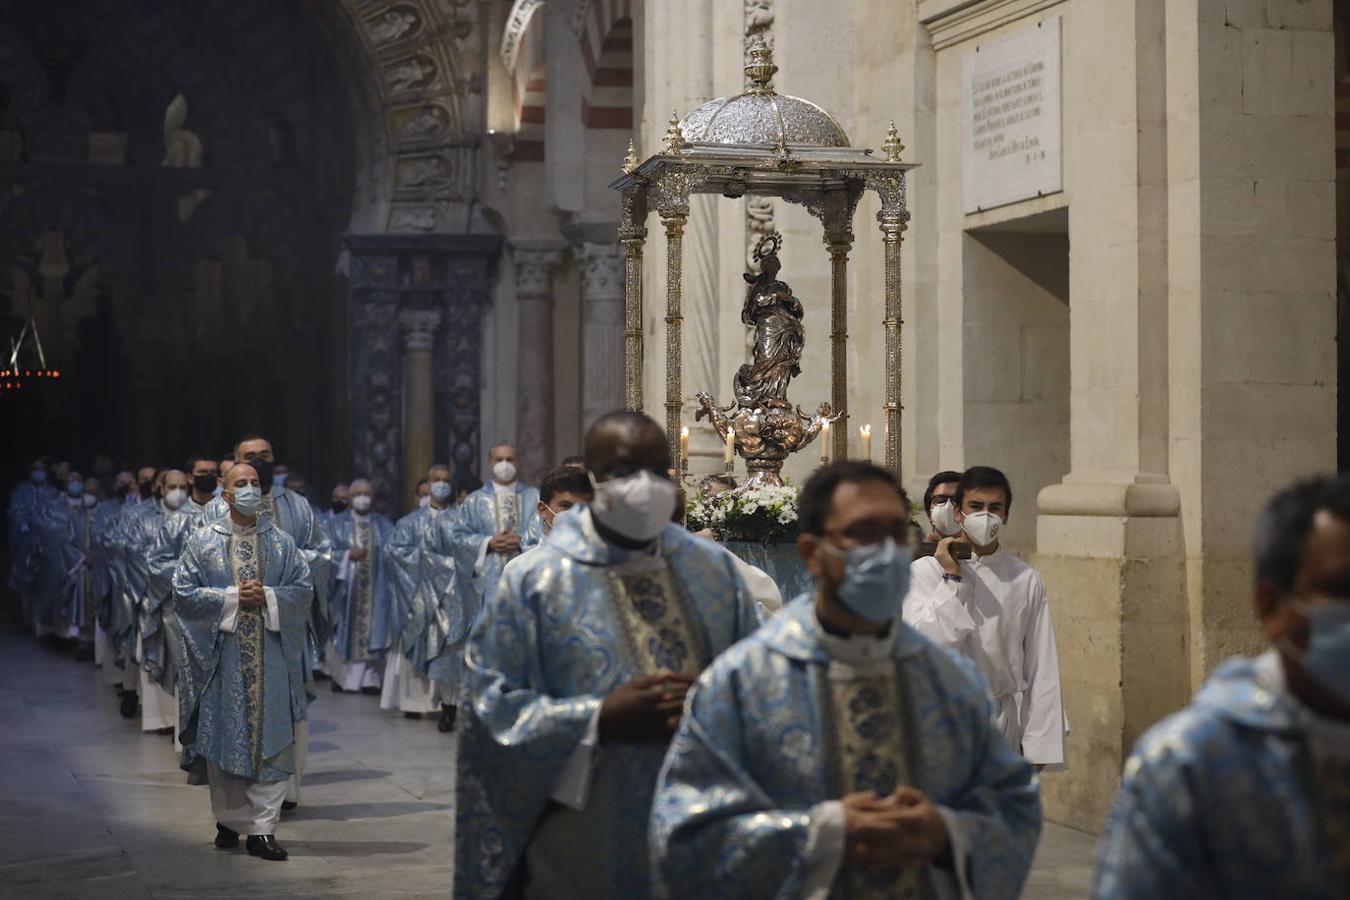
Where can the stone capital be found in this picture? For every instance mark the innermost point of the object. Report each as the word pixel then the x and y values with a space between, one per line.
pixel 419 327
pixel 601 270
pixel 534 264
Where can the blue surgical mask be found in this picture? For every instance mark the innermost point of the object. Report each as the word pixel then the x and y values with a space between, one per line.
pixel 247 500
pixel 38 476
pixel 279 480
pixel 441 490
pixel 216 492
pixel 1327 659
pixel 75 488
pixel 876 579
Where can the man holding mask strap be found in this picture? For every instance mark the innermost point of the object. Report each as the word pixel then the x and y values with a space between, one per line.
pixel 578 667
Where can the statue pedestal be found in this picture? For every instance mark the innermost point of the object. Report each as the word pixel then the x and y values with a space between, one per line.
pixel 780 562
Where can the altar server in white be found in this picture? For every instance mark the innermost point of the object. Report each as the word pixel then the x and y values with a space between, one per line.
pixel 993 609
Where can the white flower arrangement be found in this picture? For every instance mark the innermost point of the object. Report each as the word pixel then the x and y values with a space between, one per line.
pixel 765 514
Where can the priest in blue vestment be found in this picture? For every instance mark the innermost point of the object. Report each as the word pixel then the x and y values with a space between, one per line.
pixel 837 752
pixel 292 513
pixel 495 523
pixel 431 611
pixel 26 502
pixel 360 595
pixel 1246 791
pixel 242 597
pixel 577 670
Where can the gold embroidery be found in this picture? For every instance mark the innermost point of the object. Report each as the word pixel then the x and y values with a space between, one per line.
pixel 246 566
pixel 358 638
pixel 657 623
pixel 869 748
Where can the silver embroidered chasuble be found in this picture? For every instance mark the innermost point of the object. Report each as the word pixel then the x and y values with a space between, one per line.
pixel 244 564
pixel 870 745
pixel 363 593
pixel 656 621
pixel 508 516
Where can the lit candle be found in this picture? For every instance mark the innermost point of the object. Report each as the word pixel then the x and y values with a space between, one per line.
pixel 824 443
pixel 731 446
pixel 865 435
pixel 684 445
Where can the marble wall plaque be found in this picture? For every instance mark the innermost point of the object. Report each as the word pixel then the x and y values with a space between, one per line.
pixel 1013 118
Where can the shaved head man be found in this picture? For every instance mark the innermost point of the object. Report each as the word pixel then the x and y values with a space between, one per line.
pixel 592 641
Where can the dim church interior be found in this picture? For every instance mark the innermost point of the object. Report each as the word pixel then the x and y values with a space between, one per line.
pixel 382 233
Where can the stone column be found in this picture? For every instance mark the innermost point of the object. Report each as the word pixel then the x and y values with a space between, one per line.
pixel 418 327
pixel 602 327
pixel 534 264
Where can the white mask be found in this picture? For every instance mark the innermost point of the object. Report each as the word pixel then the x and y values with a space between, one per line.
pixel 982 528
pixel 361 503
pixel 89 500
pixel 175 498
pixel 638 506
pixel 943 517
pixel 504 472
pixel 424 501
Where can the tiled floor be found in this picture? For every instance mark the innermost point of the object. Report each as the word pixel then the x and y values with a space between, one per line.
pixel 90 807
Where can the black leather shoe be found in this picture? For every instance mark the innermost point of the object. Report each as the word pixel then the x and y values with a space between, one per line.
pixel 336 688
pixel 446 724
pixel 289 805
pixel 371 690
pixel 408 715
pixel 266 846
pixel 128 705
pixel 225 838
pixel 165 731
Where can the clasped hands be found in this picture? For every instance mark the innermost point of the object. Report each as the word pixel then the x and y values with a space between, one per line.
pixel 356 554
pixel 504 542
pixel 645 709
pixel 251 593
pixel 901 829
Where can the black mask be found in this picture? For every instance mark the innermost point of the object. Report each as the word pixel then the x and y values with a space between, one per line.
pixel 204 484
pixel 264 470
pixel 339 506
pixel 145 487
pixel 123 490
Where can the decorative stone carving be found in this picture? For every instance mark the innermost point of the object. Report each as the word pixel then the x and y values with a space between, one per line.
pixel 418 327
pixel 416 73
pixel 413 218
pixel 394 24
pixel 427 123
pixel 182 150
pixel 427 175
pixel 517 23
pixel 534 265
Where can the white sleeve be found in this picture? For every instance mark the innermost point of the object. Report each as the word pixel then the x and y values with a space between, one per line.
pixel 573 787
pixel 480 564
pixel 937 607
pixel 345 566
pixel 1043 737
pixel 960 848
pixel 231 617
pixel 824 849
pixel 271 615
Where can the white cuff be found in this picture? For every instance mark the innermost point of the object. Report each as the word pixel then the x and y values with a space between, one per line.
pixel 573 787
pixel 345 567
pixel 271 615
pixel 231 617
pixel 960 848
pixel 480 563
pixel 824 849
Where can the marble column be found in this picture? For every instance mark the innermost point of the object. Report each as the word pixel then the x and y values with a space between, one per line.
pixel 418 327
pixel 534 265
pixel 602 324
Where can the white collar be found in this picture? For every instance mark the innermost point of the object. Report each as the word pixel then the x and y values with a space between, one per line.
pixel 1321 730
pixel 858 651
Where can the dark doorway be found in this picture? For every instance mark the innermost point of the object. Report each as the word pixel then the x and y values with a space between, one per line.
pixel 174 178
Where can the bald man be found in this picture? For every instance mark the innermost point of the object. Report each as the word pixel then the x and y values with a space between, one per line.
pixel 495 523
pixel 242 597
pixel 590 643
pixel 361 601
pixel 292 513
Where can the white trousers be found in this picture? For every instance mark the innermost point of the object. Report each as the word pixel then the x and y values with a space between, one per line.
pixel 248 807
pixel 300 753
pixel 159 709
pixel 406 690
pixel 351 676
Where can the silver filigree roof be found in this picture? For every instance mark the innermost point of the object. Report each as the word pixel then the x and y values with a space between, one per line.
pixel 761 116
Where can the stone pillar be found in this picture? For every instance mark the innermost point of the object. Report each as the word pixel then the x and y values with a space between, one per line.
pixel 418 327
pixel 602 327
pixel 534 264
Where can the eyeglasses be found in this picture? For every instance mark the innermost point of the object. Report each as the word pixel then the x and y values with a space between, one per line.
pixel 866 533
pixel 943 501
